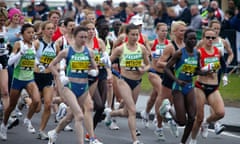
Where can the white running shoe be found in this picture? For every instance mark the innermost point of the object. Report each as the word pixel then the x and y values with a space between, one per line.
pixel 68 128
pixel 52 137
pixel 12 122
pixel 173 128
pixel 145 117
pixel 62 111
pixel 137 142
pixel 218 127
pixel 3 132
pixel 193 141
pixel 29 126
pixel 42 135
pixel 204 130
pixel 113 125
pixel 95 141
pixel 107 120
pixel 159 133
pixel 164 108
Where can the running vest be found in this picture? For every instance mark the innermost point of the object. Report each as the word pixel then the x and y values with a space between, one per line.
pixel 24 68
pixel 78 63
pixel 210 58
pixel 186 67
pixel 220 46
pixel 157 49
pixel 131 60
pixel 97 53
pixel 46 53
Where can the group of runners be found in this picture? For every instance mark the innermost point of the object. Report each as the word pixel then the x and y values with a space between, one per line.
pixel 87 68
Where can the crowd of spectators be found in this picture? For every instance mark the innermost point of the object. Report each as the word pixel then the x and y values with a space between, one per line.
pixel 148 12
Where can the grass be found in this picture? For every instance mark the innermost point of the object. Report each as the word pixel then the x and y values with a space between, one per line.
pixel 230 93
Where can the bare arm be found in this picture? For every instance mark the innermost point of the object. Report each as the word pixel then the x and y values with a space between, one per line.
pixel 171 63
pixel 229 51
pixel 167 52
pixel 116 53
pixel 53 65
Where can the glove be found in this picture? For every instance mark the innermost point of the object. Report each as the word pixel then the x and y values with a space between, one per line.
pixel 64 80
pixel 41 68
pixel 225 80
pixel 23 50
pixel 93 72
pixel 208 67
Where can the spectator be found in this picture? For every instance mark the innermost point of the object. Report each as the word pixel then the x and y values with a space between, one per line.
pixel 123 14
pixel 227 18
pixel 217 11
pixel 107 9
pixel 235 21
pixel 204 8
pixel 210 17
pixel 98 10
pixel 232 5
pixel 31 10
pixel 129 13
pixel 79 14
pixel 196 19
pixel 17 5
pixel 162 15
pixel 69 12
pixel 176 7
pixel 185 14
pixel 42 10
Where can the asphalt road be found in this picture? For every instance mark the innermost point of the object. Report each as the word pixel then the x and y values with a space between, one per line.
pixel 19 135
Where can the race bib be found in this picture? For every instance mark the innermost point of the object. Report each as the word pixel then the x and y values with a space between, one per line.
pixel 27 63
pixel 79 65
pixel 133 63
pixel 45 60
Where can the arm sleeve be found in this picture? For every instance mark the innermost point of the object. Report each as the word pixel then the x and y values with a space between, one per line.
pixel 14 58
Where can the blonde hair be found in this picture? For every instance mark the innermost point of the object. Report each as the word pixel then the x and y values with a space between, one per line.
pixel 175 25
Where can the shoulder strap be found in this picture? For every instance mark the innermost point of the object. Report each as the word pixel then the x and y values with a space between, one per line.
pixel 175 45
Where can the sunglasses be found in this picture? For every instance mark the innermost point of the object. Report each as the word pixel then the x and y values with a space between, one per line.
pixel 83 37
pixel 209 37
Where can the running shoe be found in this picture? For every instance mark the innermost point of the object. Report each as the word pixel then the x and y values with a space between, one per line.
pixel 159 133
pixel 138 132
pixel 87 137
pixel 219 128
pixel 164 107
pixel 204 130
pixel 62 111
pixel 193 141
pixel 68 128
pixel 95 141
pixel 145 118
pixel 3 132
pixel 29 126
pixel 42 135
pixel 137 142
pixel 173 128
pixel 12 122
pixel 113 125
pixel 52 137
